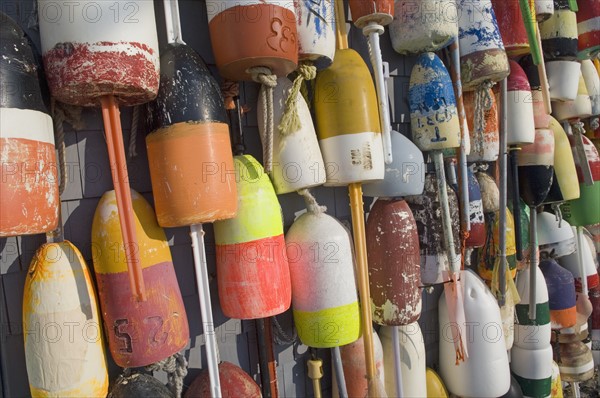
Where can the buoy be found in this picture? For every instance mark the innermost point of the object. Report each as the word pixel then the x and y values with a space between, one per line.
pixel 592 83
pixel 540 116
pixel 588 29
pixel 189 150
pixel 412 357
pixel 533 370
pixel 394 263
pixel 512 27
pixel 435 385
pixel 544 9
pixel 316 31
pixel 563 76
pixel 434 258
pixel 576 363
pixel 363 12
pixel 252 269
pixel 484 133
pixel 319 250
pixel 521 124
pixel 536 168
pixel 139 385
pixel 482 53
pixel 554 237
pixel 485 344
pixel 571 263
pixel 68 360
pixel 532 334
pixel 234 383
pixel 29 200
pixel 556 387
pixel 594 295
pixel 581 107
pixel 559 32
pixel 477 234
pixel 565 185
pixel 139 332
pixel 561 294
pixel 405 176
pixel 293 169
pixel 428 26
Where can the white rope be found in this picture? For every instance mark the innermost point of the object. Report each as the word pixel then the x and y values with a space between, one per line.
pixel 176 368
pixel 265 77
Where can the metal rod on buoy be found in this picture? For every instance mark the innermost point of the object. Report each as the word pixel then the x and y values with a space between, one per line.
pixel 503 192
pixel 120 177
pixel 516 200
pixel 582 272
pixel 340 378
pixel 397 361
pixel 533 262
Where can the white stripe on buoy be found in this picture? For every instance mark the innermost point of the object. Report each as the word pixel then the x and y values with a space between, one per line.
pixel 26 124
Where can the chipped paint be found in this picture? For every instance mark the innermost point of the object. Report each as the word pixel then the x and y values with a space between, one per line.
pixel 315 21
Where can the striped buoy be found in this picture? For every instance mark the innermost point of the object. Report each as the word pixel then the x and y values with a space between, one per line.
pixel 189 150
pixel 315 22
pixel 563 77
pixel 512 27
pixel 561 294
pixel 412 357
pixel 429 25
pixel 543 9
pixel 485 344
pixel 483 130
pixel 123 52
pixel 252 268
pixel 394 263
pixel 67 359
pixel 434 259
pixel 293 169
pixel 234 383
pixel 536 168
pixel 576 363
pixel 581 107
pixel 521 124
pixel 571 263
pixel 139 332
pixel 482 54
pixel 247 34
pixel 565 185
pixel 435 385
pixel 532 334
pixel 559 32
pixel 588 28
pixel 319 251
pixel 592 84
pixel 540 116
pixel 29 200
pixel 533 370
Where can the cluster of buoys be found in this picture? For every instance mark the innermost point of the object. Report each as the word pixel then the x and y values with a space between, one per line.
pixel 490 195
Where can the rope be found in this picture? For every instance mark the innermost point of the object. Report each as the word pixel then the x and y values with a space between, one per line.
pixel 280 336
pixel 135 117
pixel 230 90
pixel 594 123
pixel 290 121
pixel 176 368
pixel 264 76
pixel 483 103
pixel 557 213
pixel 311 203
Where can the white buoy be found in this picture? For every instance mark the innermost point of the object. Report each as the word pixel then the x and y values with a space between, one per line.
pixel 562 79
pixel 533 370
pixel 592 83
pixel 316 31
pixel 532 334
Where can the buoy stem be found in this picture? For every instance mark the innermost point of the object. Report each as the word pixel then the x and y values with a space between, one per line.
pixel 440 177
pixel 120 177
pixel 339 372
pixel 582 273
pixel 502 159
pixel 397 361
pixel 533 262
pixel 516 202
pixel 373 30
pixel 172 21
pixel 542 74
pixel 315 373
pixel 360 247
pixel 340 26
pixel 208 325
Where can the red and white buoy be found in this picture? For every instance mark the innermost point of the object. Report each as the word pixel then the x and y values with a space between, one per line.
pixel 588 29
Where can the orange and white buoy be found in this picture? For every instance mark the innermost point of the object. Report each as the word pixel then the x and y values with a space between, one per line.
pixel 484 132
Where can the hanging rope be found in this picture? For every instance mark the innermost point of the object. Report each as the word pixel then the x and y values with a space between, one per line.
pixel 280 336
pixel 483 103
pixel 135 117
pixel 230 89
pixel 557 212
pixel 265 77
pixel 594 123
pixel 62 113
pixel 311 203
pixel 176 368
pixel 290 121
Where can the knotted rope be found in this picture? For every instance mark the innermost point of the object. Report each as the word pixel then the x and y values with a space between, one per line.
pixel 61 113
pixel 483 103
pixel 176 368
pixel 265 77
pixel 290 121
pixel 311 203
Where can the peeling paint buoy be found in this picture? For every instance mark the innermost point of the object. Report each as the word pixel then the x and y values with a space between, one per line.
pixel 315 22
pixel 485 140
pixel 234 383
pixel 512 27
pixel 559 32
pixel 588 29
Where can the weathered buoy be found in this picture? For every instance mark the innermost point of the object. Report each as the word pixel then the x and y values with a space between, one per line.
pixel 512 27
pixel 234 383
pixel 139 332
pixel 559 32
pixel 428 26
pixel 252 268
pixel 394 263
pixel 59 294
pixel 435 385
pixel 363 12
pixel 533 370
pixel 139 385
pixel 562 79
pixel 235 28
pixel 315 22
pixel 293 169
pixel 483 133
pixel 404 176
pixel 565 185
pixel 351 143
pixel 434 259
pixel 521 124
pixel 540 115
pixel 412 357
pixel 592 83
pixel 588 29
pixel 581 107
pixel 482 54
pixel 29 199
pixel 544 9
pixel 485 344
pixel 561 294
pixel 571 263
pixel 557 390
pixel 477 234
pixel 576 363
pixel 536 168
pixel 532 334
pixel 319 251
pixel 554 238
pixel 124 55
pixel 188 191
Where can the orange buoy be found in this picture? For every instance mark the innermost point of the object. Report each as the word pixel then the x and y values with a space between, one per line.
pixel 483 132
pixel 139 332
pixel 29 200
pixel 234 383
pixel 381 11
pixel 252 267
